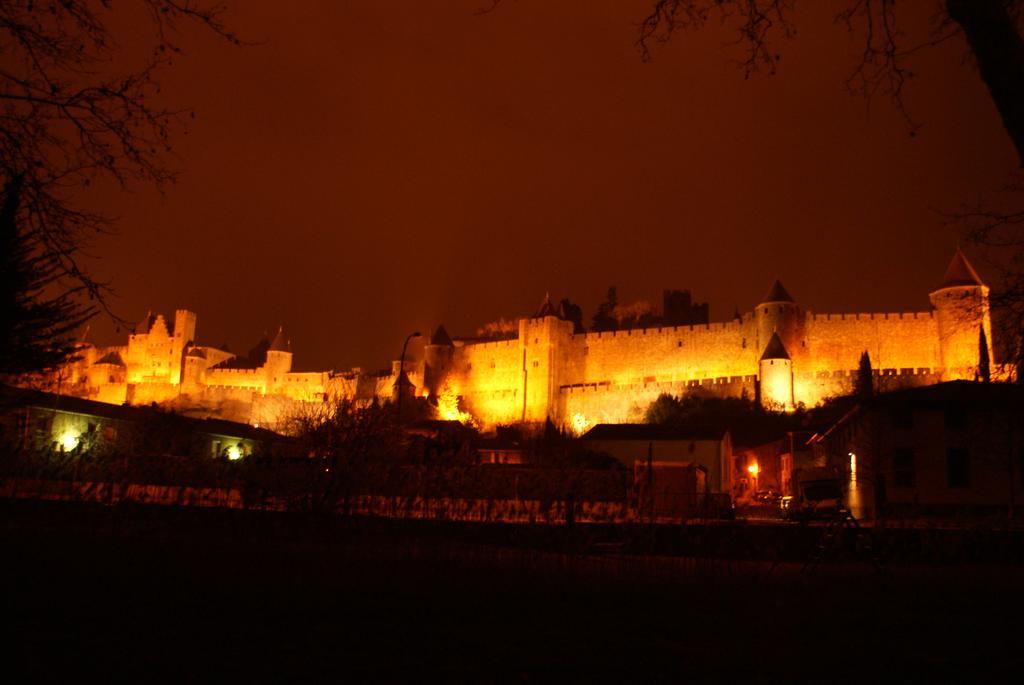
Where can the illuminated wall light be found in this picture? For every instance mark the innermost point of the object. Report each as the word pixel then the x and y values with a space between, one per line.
pixel 448 406
pixel 69 441
pixel 854 500
pixel 235 453
pixel 754 469
pixel 579 423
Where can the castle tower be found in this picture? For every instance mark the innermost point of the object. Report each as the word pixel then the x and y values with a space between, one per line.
pixel 961 306
pixel 192 375
pixel 776 376
pixel 184 326
pixel 279 361
pixel 184 335
pixel 437 360
pixel 779 313
pixel 543 343
pixel 108 369
pixel 151 355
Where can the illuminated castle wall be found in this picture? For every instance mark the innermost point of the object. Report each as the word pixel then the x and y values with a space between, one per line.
pixel 165 366
pixel 778 353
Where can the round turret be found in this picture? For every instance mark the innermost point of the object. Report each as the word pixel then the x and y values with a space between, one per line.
pixel 279 360
pixel 194 366
pixel 110 368
pixel 437 360
pixel 776 376
pixel 961 310
pixel 779 313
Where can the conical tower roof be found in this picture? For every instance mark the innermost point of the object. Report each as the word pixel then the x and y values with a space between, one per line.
pixel 112 358
pixel 440 337
pixel 546 308
pixel 775 349
pixel 777 293
pixel 280 344
pixel 959 273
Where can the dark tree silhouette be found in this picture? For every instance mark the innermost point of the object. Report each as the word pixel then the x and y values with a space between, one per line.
pixel 572 312
pixel 1002 232
pixel 604 317
pixel 990 27
pixel 864 387
pixel 36 328
pixel 984 368
pixel 992 30
pixel 75 110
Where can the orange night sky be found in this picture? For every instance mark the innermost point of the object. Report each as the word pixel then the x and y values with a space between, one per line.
pixel 368 168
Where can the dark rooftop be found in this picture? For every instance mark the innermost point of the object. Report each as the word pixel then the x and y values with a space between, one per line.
pixel 440 337
pixel 648 431
pixel 112 358
pixel 775 349
pixel 960 272
pixel 777 293
pixel 957 392
pixel 280 344
pixel 24 397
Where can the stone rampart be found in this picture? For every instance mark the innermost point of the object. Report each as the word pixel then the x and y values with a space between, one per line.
pixel 836 341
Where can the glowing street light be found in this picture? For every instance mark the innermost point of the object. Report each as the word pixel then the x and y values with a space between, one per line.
pixel 754 469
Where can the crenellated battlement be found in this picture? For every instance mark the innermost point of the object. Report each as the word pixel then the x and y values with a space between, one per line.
pixel 486 344
pixel 877 373
pixel 667 331
pixel 542 370
pixel 873 316
pixel 660 386
pixel 241 373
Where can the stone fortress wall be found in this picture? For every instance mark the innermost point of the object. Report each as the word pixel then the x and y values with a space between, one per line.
pixel 779 354
pixel 575 380
pixel 162 365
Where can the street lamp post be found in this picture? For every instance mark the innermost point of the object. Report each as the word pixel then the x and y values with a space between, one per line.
pixel 401 375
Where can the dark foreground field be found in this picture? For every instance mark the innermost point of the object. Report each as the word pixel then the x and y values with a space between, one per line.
pixel 188 595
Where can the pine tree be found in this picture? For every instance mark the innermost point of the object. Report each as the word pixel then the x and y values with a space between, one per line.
pixel 984 365
pixel 603 318
pixel 865 382
pixel 36 327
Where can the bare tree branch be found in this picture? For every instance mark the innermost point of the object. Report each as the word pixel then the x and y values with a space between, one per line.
pixel 69 116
